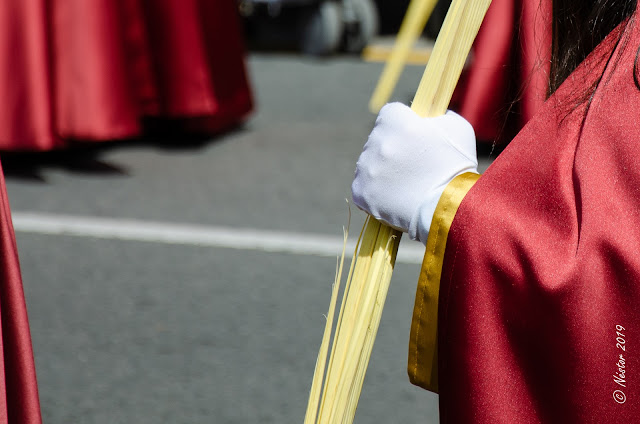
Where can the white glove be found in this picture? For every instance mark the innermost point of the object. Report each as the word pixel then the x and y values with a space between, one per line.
pixel 407 163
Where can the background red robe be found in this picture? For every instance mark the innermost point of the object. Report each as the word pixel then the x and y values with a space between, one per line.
pixel 540 291
pixel 19 403
pixel 507 80
pixel 92 69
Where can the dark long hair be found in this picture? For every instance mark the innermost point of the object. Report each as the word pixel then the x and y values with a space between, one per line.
pixel 578 26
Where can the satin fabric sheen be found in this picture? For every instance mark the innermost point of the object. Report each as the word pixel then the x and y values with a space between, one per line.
pixel 91 70
pixel 509 64
pixel 540 285
pixel 19 402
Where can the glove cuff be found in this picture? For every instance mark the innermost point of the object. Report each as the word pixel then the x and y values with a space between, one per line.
pixel 420 223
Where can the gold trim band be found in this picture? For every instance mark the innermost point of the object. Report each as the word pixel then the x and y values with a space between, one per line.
pixel 423 341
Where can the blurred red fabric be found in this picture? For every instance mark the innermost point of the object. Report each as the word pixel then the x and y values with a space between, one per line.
pixel 91 70
pixel 19 402
pixel 507 79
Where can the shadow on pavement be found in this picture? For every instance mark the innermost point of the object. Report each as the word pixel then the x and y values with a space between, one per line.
pixel 85 157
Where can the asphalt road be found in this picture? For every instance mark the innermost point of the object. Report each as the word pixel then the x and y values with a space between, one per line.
pixel 163 329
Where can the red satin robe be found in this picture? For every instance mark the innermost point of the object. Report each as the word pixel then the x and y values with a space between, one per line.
pixel 509 63
pixel 91 70
pixel 19 402
pixel 539 308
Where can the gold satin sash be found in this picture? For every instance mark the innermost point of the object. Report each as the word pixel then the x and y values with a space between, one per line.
pixel 423 341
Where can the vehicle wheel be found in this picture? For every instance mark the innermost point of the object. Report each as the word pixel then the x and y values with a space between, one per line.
pixel 361 26
pixel 321 29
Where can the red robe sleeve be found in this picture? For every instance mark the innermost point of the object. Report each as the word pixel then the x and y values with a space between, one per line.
pixel 538 316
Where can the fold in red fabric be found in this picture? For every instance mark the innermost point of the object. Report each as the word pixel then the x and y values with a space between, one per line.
pixel 19 403
pixel 506 82
pixel 92 70
pixel 538 317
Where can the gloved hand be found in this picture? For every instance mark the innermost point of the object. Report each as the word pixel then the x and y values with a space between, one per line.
pixel 407 163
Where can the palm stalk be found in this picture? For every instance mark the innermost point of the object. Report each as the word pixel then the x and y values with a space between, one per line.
pixel 412 25
pixel 370 273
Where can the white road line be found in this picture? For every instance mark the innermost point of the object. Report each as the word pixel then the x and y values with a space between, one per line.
pixel 196 235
